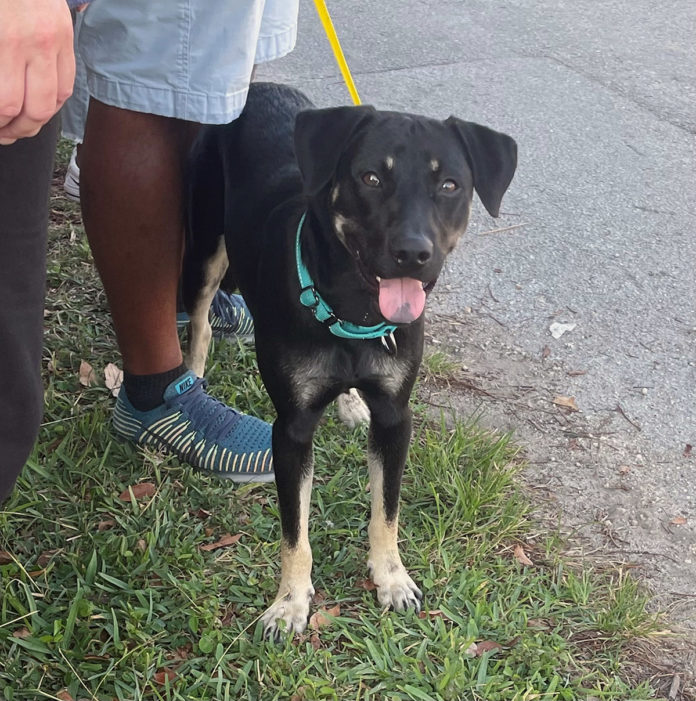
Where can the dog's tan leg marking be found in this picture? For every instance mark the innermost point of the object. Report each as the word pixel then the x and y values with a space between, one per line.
pixel 200 332
pixel 295 591
pixel 352 410
pixel 394 586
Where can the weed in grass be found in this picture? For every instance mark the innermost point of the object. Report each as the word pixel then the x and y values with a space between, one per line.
pixel 437 365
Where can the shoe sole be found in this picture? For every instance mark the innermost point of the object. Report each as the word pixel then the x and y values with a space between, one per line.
pixel 247 338
pixel 240 479
pixel 263 478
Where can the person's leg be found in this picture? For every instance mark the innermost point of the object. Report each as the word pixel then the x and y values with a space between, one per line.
pixel 25 177
pixel 132 208
pixel 143 60
pixel 133 215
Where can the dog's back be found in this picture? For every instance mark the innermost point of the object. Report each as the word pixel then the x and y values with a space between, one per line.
pixel 238 173
pixel 264 141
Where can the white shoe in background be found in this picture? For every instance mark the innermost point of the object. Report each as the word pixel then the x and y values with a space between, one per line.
pixel 71 184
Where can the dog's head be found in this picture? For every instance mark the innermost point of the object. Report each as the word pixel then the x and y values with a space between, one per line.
pixel 397 190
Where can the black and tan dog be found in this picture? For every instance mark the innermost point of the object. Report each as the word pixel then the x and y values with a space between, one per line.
pixel 336 223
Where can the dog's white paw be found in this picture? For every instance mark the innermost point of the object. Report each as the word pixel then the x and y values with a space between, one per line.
pixel 293 609
pixel 395 588
pixel 352 410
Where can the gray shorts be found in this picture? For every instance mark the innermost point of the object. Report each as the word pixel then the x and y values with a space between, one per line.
pixel 189 59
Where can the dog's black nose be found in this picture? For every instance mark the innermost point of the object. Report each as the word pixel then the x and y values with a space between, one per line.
pixel 412 252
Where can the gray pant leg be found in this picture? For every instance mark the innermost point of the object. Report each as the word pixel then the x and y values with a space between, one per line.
pixel 25 177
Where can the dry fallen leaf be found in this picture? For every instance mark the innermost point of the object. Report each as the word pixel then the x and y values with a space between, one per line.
pixel 183 652
pixel 521 556
pixel 366 584
pixel 471 650
pixel 487 646
pixel 300 695
pixel 64 695
pixel 567 402
pixel 435 613
pixel 45 557
pixel 113 377
pixel 109 522
pixel 5 557
pixel 87 374
pixel 140 491
pixel 22 633
pixel 200 513
pixel 229 616
pixel 320 618
pixel 163 675
pixel 678 521
pixel 226 540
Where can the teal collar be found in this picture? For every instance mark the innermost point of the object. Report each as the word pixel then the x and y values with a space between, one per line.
pixel 310 298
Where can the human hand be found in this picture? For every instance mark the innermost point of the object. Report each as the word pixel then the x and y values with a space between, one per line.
pixel 37 65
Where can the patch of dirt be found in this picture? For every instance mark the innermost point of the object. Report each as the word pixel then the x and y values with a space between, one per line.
pixel 616 496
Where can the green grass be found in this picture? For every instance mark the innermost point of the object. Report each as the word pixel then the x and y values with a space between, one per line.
pixel 109 599
pixel 437 365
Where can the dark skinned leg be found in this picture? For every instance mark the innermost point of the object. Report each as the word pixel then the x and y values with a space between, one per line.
pixel 132 168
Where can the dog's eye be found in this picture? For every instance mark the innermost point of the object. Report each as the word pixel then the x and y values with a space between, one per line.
pixel 371 179
pixel 449 185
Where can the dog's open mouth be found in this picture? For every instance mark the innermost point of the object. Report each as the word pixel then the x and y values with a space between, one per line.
pixel 402 299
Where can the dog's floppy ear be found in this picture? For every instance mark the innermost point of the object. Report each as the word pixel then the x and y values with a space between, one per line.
pixel 320 137
pixel 492 157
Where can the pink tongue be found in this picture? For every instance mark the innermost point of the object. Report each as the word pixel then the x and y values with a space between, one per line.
pixel 401 299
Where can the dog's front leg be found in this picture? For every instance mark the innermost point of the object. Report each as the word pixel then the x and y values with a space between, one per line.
pixel 294 469
pixel 390 434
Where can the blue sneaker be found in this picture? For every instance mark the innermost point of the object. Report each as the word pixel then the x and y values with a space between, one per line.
pixel 200 431
pixel 229 316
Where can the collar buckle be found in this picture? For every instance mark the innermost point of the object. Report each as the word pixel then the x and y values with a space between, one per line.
pixel 309 297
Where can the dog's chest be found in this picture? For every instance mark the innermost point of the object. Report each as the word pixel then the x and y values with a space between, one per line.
pixel 335 370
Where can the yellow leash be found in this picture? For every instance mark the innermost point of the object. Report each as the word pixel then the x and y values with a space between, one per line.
pixel 337 50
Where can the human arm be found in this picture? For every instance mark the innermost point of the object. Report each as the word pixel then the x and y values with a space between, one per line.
pixel 37 64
